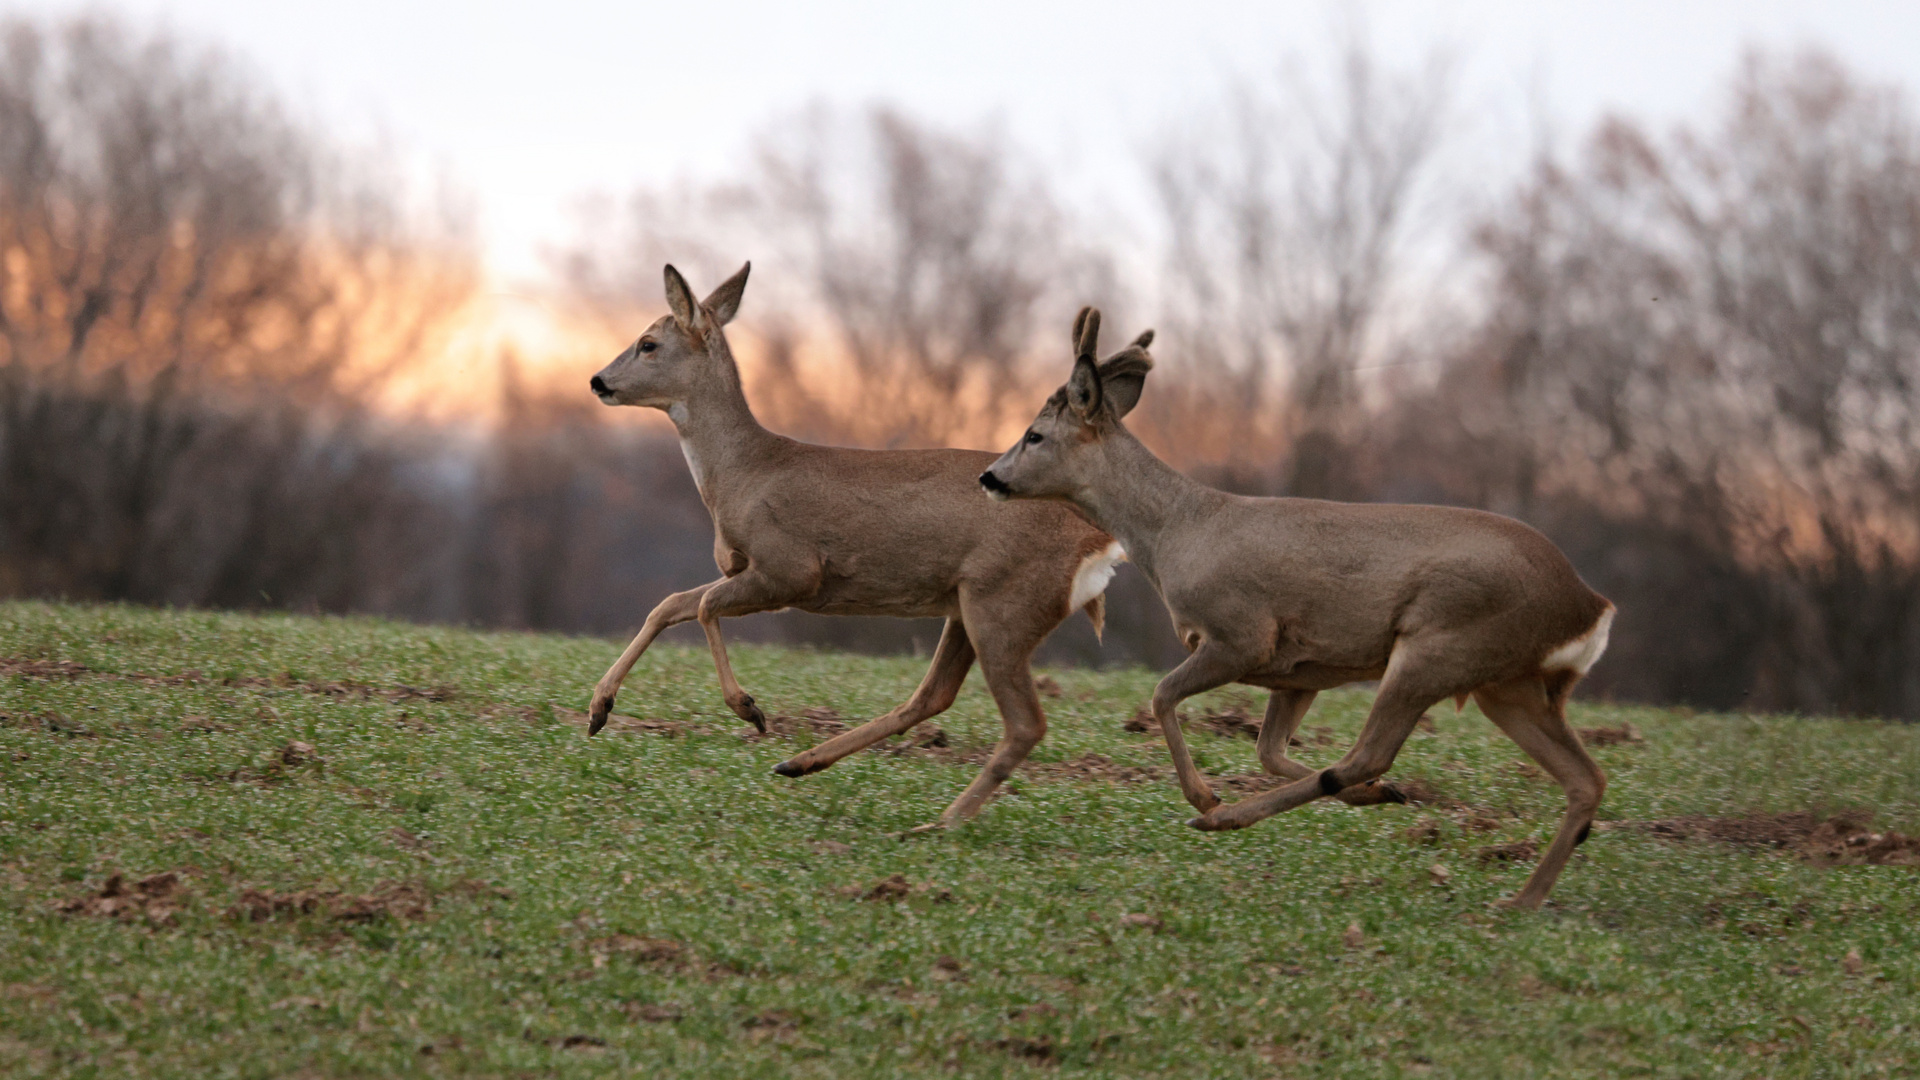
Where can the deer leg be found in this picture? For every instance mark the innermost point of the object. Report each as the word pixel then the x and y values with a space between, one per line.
pixel 951 660
pixel 1004 627
pixel 743 594
pixel 1211 665
pixel 1285 709
pixel 1523 710
pixel 1396 709
pixel 1009 674
pixel 672 611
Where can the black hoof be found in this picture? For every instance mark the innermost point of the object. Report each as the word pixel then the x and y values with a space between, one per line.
pixel 788 768
pixel 1391 794
pixel 751 713
pixel 599 721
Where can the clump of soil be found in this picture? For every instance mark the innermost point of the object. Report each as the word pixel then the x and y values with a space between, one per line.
pixel 156 898
pixel 1047 687
pixel 1843 839
pixel 652 1014
pixel 895 888
pixel 1625 734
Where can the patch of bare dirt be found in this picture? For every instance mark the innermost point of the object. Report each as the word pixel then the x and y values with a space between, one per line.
pixel 927 739
pixel 67 669
pixel 1230 721
pixel 28 668
pixel 895 888
pixel 156 899
pixel 654 952
pixel 1047 687
pixel 821 722
pixel 1091 767
pixel 1422 793
pixel 651 1013
pixel 1039 1049
pixel 779 1024
pixel 632 724
pixel 52 723
pixel 1518 851
pixel 1844 839
pixel 1624 735
pixel 404 901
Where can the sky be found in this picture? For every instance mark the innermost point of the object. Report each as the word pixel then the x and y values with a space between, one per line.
pixel 527 108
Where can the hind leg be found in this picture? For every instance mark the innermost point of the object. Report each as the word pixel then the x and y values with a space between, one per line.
pixel 951 660
pixel 1413 683
pixel 1285 709
pixel 1004 630
pixel 1523 710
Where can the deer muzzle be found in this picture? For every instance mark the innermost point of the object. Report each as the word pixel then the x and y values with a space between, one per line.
pixel 995 487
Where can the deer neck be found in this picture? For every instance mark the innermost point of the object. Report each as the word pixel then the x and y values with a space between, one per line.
pixel 1140 500
pixel 719 434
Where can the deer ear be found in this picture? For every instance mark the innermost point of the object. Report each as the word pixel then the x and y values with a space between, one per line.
pixel 1083 387
pixel 1086 333
pixel 724 302
pixel 680 299
pixel 1124 374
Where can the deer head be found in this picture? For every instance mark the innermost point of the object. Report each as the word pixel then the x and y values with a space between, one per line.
pixel 681 353
pixel 1062 446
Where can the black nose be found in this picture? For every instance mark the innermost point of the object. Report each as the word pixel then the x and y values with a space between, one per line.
pixel 599 385
pixel 994 484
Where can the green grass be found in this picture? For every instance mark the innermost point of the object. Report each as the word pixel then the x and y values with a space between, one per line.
pixel 1655 959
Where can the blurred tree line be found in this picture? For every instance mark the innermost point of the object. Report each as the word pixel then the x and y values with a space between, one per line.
pixel 1693 359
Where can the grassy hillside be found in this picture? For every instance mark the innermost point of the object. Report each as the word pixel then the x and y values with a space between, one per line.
pixel 394 852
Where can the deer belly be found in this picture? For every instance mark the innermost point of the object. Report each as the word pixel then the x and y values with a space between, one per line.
pixel 894 599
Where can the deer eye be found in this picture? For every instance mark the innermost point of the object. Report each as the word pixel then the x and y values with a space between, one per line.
pixel 1034 438
pixel 648 346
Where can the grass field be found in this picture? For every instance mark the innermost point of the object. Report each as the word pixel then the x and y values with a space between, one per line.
pixel 395 852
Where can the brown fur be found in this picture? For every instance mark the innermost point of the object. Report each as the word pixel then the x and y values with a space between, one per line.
pixel 1301 595
pixel 850 532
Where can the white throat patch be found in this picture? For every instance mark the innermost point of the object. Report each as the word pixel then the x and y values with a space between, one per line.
pixel 1095 571
pixel 678 413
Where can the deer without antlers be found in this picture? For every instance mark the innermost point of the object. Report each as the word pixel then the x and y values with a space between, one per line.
pixel 1302 595
pixel 854 532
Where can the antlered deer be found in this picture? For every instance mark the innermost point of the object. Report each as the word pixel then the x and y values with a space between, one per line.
pixel 1301 595
pixel 854 532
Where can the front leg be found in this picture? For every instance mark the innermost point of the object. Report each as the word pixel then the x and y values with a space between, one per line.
pixel 1211 665
pixel 672 611
pixel 745 593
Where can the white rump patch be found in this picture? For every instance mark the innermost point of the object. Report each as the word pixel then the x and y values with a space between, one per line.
pixel 1096 570
pixel 1582 652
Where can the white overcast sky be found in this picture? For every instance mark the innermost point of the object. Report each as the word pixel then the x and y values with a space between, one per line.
pixel 527 106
